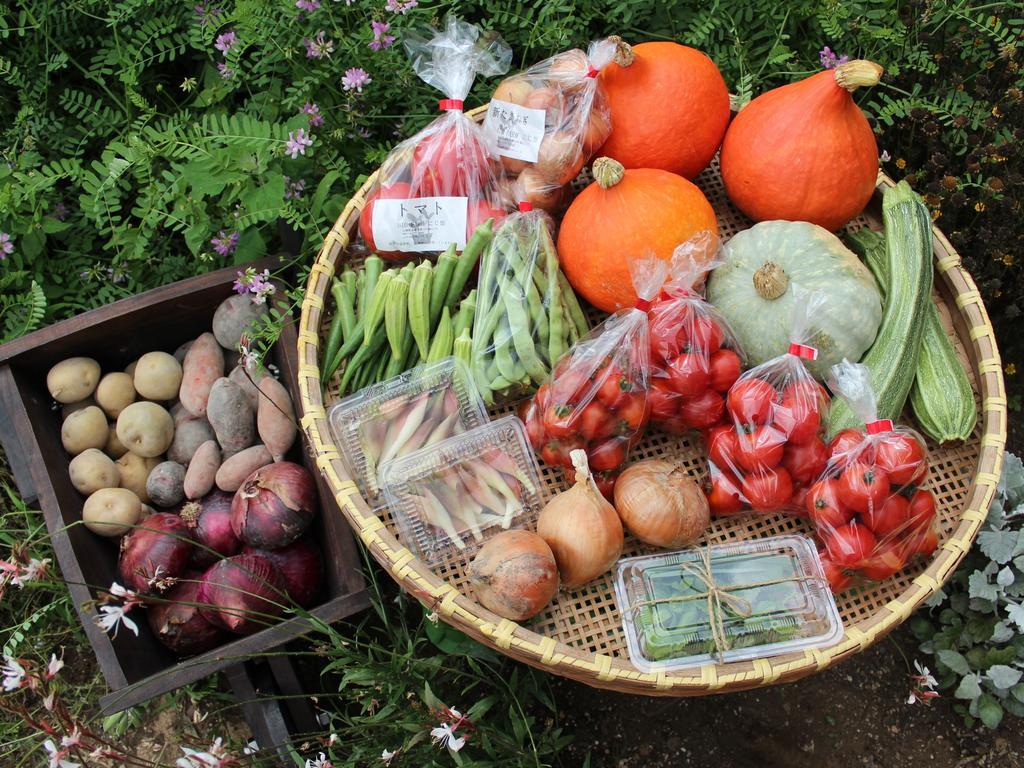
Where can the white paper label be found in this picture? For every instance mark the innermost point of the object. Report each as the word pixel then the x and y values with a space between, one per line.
pixel 517 131
pixel 419 224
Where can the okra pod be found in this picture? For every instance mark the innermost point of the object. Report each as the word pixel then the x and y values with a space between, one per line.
pixel 377 302
pixel 335 333
pixel 364 353
pixel 371 271
pixel 419 306
pixel 467 260
pixel 398 362
pixel 443 271
pixel 463 347
pixel 441 344
pixel 467 311
pixel 396 314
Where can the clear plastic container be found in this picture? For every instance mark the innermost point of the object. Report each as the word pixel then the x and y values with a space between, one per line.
pixel 667 618
pixel 441 399
pixel 450 498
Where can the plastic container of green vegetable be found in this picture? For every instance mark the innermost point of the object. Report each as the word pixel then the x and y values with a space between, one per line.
pixel 420 407
pixel 728 602
pixel 450 498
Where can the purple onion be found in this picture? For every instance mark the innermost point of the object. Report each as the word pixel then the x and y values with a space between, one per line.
pixel 178 624
pixel 209 519
pixel 301 566
pixel 274 506
pixel 159 548
pixel 242 594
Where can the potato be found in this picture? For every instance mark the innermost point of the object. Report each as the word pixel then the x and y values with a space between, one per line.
pixel 130 368
pixel 164 484
pixel 92 470
pixel 188 436
pixel 111 511
pixel 275 417
pixel 146 512
pixel 158 376
pixel 231 416
pixel 232 358
pixel 233 471
pixel 204 364
pixel 235 315
pixel 202 470
pixel 114 448
pixel 180 352
pixel 135 471
pixel 83 429
pixel 68 408
pixel 73 379
pixel 114 393
pixel 145 429
pixel 180 415
pixel 246 382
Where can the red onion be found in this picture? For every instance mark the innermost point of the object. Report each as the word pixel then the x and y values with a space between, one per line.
pixel 274 506
pixel 209 519
pixel 242 594
pixel 156 550
pixel 178 623
pixel 301 566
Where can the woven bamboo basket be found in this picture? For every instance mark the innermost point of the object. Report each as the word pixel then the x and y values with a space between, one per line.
pixel 579 635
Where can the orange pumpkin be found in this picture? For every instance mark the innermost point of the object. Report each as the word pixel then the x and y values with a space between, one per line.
pixel 622 215
pixel 804 151
pixel 669 109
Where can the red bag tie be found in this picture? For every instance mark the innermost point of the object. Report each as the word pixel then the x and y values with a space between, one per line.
pixel 876 427
pixel 804 351
pixel 591 71
pixel 525 206
pixel 446 104
pixel 643 304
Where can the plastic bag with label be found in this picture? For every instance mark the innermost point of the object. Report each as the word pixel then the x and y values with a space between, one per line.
pixel 771 448
pixel 437 186
pixel 596 398
pixel 549 120
pixel 867 506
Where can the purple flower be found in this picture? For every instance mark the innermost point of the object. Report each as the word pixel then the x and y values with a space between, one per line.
pixel 293 189
pixel 226 41
pixel 256 283
pixel 315 118
pixel 60 210
pixel 6 245
pixel 318 47
pixel 397 6
pixel 381 39
pixel 297 143
pixel 829 60
pixel 225 71
pixel 225 244
pixel 307 5
pixel 354 79
pixel 206 15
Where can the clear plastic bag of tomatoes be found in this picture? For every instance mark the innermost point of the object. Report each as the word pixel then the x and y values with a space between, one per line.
pixel 547 121
pixel 868 507
pixel 596 398
pixel 437 186
pixel 770 448
pixel 695 357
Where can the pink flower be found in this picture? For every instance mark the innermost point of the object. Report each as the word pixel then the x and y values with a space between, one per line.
pixel 315 118
pixel 57 756
pixel 381 39
pixel 226 72
pixel 297 143
pixel 55 666
pixel 354 79
pixel 397 6
pixel 293 189
pixel 6 245
pixel 307 5
pixel 206 15
pixel 318 47
pixel 225 244
pixel 829 60
pixel 226 41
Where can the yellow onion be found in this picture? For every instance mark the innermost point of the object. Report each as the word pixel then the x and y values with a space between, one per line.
pixel 582 528
pixel 514 574
pixel 660 504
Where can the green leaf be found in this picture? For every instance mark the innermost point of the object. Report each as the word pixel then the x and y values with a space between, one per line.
pixel 251 246
pixel 997 545
pixel 430 699
pixel 954 661
pixel 969 688
pixel 989 711
pixel 980 588
pixel 1015 613
pixel 1003 676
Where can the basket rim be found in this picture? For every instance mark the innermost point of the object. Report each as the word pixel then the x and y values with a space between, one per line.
pixel 602 670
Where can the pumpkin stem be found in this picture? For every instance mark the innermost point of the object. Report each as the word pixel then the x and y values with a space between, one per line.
pixel 770 281
pixel 624 55
pixel 607 172
pixel 858 73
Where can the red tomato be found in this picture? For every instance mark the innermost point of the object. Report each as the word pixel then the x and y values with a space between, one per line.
pixel 663 401
pixel 825 508
pixel 480 211
pixel 885 561
pixel 595 422
pixel 556 452
pixel 924 542
pixel 902 457
pixel 530 414
pixel 890 518
pixel 922 509
pixel 397 191
pixel 750 401
pixel 705 335
pixel 560 421
pixel 605 482
pixel 798 415
pixel 723 369
pixel 674 426
pixel 688 374
pixel 704 410
pixel 799 500
pixel 768 490
pixel 760 449
pixel 805 461
pixel 808 390
pixel 446 164
pixel 614 387
pixel 845 442
pixel 667 331
pixel 572 386
pixel 607 455
pixel 838 579
pixel 631 416
pixel 724 497
pixel 863 486
pixel 723 446
pixel 850 545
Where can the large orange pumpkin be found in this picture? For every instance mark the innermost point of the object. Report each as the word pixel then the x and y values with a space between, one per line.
pixel 804 151
pixel 669 109
pixel 622 215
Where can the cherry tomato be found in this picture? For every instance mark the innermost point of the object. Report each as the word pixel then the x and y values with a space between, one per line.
pixel 445 164
pixel 663 401
pixel 799 500
pixel 922 509
pixel 560 421
pixel 902 457
pixel 674 426
pixel 724 497
pixel 595 421
pixel 825 508
pixel 863 486
pixel 838 579
pixel 768 490
pixel 542 396
pixel 723 370
pixel 555 453
pixel 605 482
pixel 760 449
pixel 805 461
pixel 688 374
pixel 850 545
pixel 891 517
pixel 614 387
pixel 886 560
pixel 723 446
pixel 631 415
pixel 666 331
pixel 798 415
pixel 607 455
pixel 924 542
pixel 750 401
pixel 480 211
pixel 704 410
pixel 845 442
pixel 571 387
pixel 705 335
pixel 808 390
pixel 530 414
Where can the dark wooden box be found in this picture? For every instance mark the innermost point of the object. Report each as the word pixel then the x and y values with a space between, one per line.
pixel 139 668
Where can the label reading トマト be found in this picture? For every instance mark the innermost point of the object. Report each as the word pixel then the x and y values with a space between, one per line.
pixel 517 131
pixel 419 224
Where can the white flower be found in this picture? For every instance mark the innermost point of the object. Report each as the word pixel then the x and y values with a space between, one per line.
pixel 48 700
pixel 13 673
pixel 215 758
pixel 55 666
pixel 885 157
pixel 332 739
pixel 57 756
pixel 34 570
pixel 387 756
pixel 72 739
pixel 924 675
pixel 114 615
pixel 251 748
pixel 444 736
pixel 320 762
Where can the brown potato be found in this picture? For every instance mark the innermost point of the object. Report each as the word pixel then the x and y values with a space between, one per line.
pixel 231 416
pixel 130 368
pixel 202 470
pixel 73 379
pixel 275 417
pixel 157 376
pixel 114 393
pixel 145 428
pixel 204 364
pixel 83 429
pixel 111 511
pixel 135 471
pixel 233 471
pixel 114 448
pixel 180 352
pixel 68 408
pixel 235 315
pixel 164 484
pixel 92 470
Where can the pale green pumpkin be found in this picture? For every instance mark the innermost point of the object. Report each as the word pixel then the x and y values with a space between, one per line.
pixel 754 289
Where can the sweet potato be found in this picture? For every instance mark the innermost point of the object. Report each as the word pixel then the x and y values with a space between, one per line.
pixel 180 352
pixel 202 470
pixel 189 434
pixel 233 471
pixel 275 417
pixel 246 380
pixel 231 416
pixel 164 484
pixel 204 364
pixel 235 315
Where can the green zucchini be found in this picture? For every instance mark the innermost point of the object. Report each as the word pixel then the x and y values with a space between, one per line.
pixel 893 357
pixel 941 397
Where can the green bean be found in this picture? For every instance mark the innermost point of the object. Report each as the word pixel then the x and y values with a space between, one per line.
pixel 470 255
pixel 507 365
pixel 572 303
pixel 519 328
